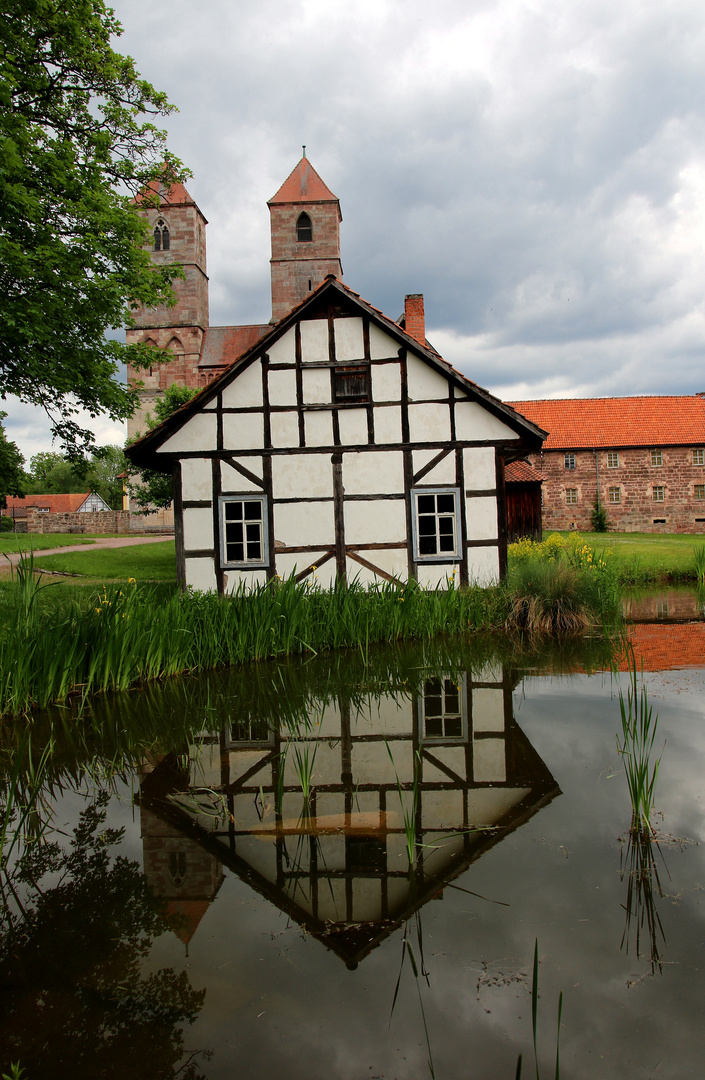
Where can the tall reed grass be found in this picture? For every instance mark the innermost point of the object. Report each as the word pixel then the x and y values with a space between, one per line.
pixel 636 746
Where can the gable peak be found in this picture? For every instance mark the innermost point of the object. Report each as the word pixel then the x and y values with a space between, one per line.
pixel 303 184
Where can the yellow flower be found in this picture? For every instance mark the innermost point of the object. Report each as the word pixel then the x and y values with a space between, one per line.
pixel 131 581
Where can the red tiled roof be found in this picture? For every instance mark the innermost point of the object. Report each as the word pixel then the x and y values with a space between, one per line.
pixel 303 185
pixel 55 504
pixel 521 472
pixel 176 195
pixel 224 344
pixel 613 422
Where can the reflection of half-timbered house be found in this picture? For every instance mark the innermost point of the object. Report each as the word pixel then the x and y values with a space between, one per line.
pixel 337 862
pixel 335 440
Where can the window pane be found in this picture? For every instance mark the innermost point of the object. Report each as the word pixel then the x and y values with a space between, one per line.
pixel 233 532
pixel 427 504
pixel 434 727
pixel 233 511
pixel 446 504
pixel 427 525
pixel 253 551
pixel 427 545
pixel 433 686
pixel 447 543
pixel 454 727
pixel 235 552
pixel 445 526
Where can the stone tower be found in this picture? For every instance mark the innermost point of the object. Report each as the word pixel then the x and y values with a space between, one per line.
pixel 178 235
pixel 305 221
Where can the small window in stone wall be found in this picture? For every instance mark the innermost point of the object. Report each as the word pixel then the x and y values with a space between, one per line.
pixel 699 456
pixel 614 494
pixel 659 493
pixel 304 229
pixel 699 492
pixel 162 240
pixel 569 461
pixel 571 496
pixel 612 459
pixel 656 458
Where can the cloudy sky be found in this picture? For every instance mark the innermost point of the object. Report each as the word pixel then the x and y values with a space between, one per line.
pixel 536 169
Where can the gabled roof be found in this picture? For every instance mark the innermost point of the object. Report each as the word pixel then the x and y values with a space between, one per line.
pixel 55 504
pixel 588 423
pixel 522 472
pixel 224 344
pixel 175 195
pixel 303 185
pixel 143 451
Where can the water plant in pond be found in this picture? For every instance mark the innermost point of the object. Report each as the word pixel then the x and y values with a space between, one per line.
pixel 534 1020
pixel 639 865
pixel 636 745
pixel 699 560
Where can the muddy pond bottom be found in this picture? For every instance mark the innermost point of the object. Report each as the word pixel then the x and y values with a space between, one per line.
pixel 341 869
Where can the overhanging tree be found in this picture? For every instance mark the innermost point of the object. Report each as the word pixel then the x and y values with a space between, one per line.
pixel 77 143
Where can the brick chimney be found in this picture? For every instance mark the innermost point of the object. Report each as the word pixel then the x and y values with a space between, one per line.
pixel 414 321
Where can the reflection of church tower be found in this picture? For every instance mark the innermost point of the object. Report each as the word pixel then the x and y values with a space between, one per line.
pixel 305 220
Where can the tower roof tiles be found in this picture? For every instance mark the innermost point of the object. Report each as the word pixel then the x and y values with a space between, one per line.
pixel 303 185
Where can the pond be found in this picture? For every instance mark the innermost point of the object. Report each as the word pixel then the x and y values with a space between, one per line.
pixel 259 916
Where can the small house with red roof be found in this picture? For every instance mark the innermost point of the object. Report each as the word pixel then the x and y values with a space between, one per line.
pixel 87 502
pixel 641 458
pixel 332 441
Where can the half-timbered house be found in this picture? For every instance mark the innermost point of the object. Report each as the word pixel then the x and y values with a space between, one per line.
pixel 339 445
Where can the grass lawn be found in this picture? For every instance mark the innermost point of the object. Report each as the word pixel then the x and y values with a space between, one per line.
pixel 143 562
pixel 649 554
pixel 37 541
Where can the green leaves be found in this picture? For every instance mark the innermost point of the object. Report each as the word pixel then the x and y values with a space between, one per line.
pixel 76 143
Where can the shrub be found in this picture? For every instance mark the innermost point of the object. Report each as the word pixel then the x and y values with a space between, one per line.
pixel 6 524
pixel 598 518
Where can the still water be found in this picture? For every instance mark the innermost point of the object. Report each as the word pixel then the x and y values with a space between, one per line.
pixel 258 915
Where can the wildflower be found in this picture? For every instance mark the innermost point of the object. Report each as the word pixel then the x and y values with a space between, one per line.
pixel 131 581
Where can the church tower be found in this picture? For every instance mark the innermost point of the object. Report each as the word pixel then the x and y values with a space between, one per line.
pixel 177 231
pixel 305 221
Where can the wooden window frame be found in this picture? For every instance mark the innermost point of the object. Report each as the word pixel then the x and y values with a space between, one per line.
pixel 657 459
pixel 614 496
pixel 339 373
pixel 569 461
pixel 658 493
pixel 261 562
pixel 569 501
pixel 427 691
pixel 699 456
pixel 456 554
pixel 699 492
pixel 304 225
pixel 613 459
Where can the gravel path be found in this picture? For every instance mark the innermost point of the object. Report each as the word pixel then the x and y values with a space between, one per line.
pixel 108 542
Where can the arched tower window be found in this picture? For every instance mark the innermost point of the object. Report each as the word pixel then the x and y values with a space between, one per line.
pixel 161 236
pixel 304 229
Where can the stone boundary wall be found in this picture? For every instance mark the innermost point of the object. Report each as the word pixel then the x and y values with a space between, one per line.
pixel 635 477
pixel 121 522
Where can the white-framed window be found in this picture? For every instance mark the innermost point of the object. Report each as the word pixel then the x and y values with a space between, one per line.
pixel 656 458
pixel 243 530
pixel 699 456
pixel 436 524
pixel 699 492
pixel 614 494
pixel 442 714
pixel 569 461
pixel 571 496
pixel 659 493
pixel 612 459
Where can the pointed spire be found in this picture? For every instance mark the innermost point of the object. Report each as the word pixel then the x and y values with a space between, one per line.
pixel 303 185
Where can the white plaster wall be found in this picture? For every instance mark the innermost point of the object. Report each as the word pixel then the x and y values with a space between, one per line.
pixel 489 761
pixel 196 478
pixel 244 579
pixel 282 387
pixel 331 900
pixel 381 522
pixel 386 383
pixel 284 428
pixel 367 900
pixel 328 724
pixel 299 524
pixel 387 424
pixel 299 475
pixel 436 575
pixel 481 517
pixel 286 565
pixel 330 802
pixel 382 346
pixel 353 427
pixel 479 467
pixel 198 529
pixel 316 386
pixel 371 764
pixel 423 381
pixel 200 575
pixel 441 809
pixel 487 709
pixel 349 344
pixel 429 423
pixel 441 474
pixel 487 806
pixel 314 340
pixel 198 433
pixel 245 391
pixel 319 428
pixel 392 716
pixel 483 565
pixel 473 421
pixel 373 473
pixel 233 481
pixel 261 857
pixel 452 756
pixel 243 432
pixel 283 351
pixel 392 562
pixel 331 852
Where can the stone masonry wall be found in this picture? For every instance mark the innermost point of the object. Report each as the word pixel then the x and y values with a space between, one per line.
pixel 107 521
pixel 294 262
pixel 681 510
